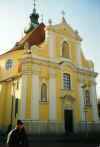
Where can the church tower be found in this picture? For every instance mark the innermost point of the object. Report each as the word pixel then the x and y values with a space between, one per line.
pixel 33 20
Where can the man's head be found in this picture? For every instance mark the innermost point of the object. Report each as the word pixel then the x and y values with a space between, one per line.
pixel 19 124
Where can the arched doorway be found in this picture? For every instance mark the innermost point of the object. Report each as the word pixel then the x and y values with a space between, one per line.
pixel 68 114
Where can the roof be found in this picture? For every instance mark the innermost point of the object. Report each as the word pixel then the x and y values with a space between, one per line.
pixel 35 37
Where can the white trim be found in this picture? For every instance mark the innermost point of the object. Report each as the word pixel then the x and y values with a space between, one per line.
pixel 23 97
pixel 59 60
pixel 35 97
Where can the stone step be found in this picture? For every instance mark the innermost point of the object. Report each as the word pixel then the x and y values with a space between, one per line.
pixel 60 139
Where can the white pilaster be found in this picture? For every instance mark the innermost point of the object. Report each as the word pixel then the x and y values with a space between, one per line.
pixel 51 44
pixel 81 96
pixel 94 100
pixel 52 95
pixel 35 96
pixel 23 97
pixel 78 54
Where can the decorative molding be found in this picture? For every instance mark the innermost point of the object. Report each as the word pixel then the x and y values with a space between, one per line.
pixel 58 63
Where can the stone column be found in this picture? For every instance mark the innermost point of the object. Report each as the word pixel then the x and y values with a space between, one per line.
pixel 52 95
pixel 26 86
pixel 94 100
pixel 35 94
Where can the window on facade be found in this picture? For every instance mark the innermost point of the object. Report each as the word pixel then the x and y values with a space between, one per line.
pixel 9 64
pixel 66 81
pixel 87 97
pixel 65 50
pixel 44 92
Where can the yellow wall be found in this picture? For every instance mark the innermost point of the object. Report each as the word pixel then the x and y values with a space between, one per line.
pixel 43 112
pixel 16 56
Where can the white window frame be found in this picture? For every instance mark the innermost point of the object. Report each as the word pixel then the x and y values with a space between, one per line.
pixel 63 81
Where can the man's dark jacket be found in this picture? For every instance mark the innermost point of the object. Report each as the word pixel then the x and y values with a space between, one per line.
pixel 18 138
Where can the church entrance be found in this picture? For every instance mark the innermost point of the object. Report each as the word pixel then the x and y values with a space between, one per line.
pixel 68 118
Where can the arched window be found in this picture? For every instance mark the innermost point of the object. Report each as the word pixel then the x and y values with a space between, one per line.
pixel 87 97
pixel 44 92
pixel 65 50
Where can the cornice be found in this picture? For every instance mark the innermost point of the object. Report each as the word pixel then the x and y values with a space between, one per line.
pixel 58 63
pixel 83 70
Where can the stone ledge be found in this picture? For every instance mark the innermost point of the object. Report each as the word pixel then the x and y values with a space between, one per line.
pixel 49 127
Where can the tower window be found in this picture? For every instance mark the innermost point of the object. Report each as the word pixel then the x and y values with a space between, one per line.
pixel 66 81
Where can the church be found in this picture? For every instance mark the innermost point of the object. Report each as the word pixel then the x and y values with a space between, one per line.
pixel 46 81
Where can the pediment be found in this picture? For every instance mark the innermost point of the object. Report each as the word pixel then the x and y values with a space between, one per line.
pixel 65 29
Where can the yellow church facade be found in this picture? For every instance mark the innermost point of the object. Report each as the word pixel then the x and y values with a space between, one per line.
pixel 47 83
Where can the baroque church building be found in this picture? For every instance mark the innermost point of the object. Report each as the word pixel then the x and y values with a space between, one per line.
pixel 46 81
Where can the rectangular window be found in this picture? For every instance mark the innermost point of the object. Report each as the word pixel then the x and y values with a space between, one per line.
pixel 86 96
pixel 66 81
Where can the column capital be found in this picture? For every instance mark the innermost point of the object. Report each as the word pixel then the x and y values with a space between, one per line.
pixel 35 69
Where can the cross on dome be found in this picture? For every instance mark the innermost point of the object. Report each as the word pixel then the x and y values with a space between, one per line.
pixel 34 5
pixel 63 13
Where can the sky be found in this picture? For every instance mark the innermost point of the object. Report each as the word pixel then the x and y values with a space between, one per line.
pixel 81 15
